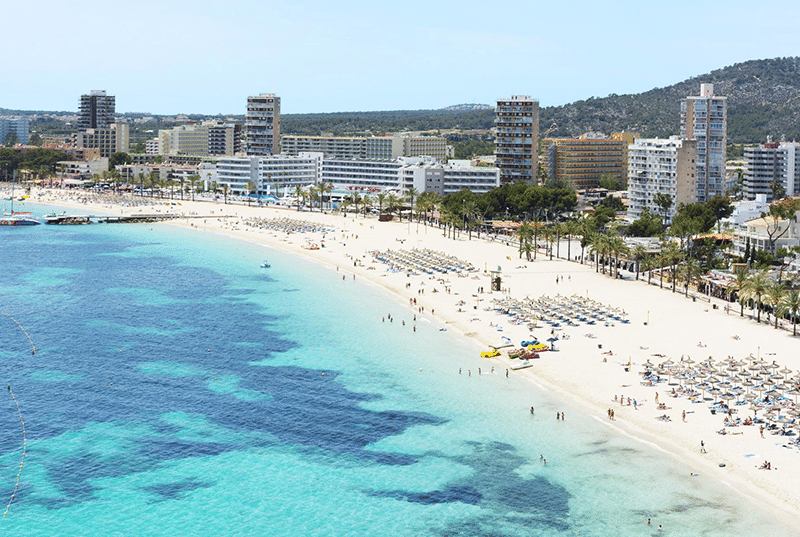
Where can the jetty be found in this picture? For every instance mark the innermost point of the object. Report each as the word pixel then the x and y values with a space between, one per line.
pixel 77 220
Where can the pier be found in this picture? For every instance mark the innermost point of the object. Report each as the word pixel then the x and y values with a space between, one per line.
pixel 76 220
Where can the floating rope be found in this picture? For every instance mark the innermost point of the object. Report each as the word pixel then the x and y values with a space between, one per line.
pixel 33 347
pixel 22 462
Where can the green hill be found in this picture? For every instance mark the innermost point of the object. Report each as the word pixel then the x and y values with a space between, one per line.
pixel 763 98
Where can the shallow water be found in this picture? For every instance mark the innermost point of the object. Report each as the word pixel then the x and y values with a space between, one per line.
pixel 177 388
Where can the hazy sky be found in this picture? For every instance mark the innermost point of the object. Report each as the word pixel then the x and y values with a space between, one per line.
pixel 181 56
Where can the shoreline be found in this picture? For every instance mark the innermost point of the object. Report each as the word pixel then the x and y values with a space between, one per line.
pixel 577 373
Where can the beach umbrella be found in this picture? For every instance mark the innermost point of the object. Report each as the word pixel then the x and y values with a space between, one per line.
pixel 785 371
pixel 795 392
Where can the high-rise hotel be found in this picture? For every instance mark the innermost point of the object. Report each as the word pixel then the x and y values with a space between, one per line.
pixel 517 138
pixel 97 111
pixel 262 125
pixel 705 118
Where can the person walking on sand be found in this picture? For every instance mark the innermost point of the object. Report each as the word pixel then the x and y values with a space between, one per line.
pixel 703 447
pixel 531 411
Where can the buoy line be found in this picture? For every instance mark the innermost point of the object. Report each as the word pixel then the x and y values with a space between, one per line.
pixel 33 347
pixel 21 462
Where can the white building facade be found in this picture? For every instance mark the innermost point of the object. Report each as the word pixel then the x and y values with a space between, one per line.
pixel 768 163
pixel 284 171
pixel 657 165
pixel 375 148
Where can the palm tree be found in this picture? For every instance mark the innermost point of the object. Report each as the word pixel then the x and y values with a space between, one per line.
pixel 470 213
pixel 427 201
pixel 525 233
pixel 325 190
pixel 742 275
pixel 587 236
pixel 250 187
pixel 617 247
pixel 367 202
pixel 182 181
pixel 774 297
pixel 672 255
pixel 225 188
pixel 755 287
pixel 392 203
pixel 411 196
pixel 357 199
pixel 791 305
pixel 664 202
pixel 192 180
pixel 648 263
pixel 571 227
pixel 639 254
pixel 689 269
pixel 298 194
pixel 155 177
pixel 381 198
pixel 599 245
pixel 558 230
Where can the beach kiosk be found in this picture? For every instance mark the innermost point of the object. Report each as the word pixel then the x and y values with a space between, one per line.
pixel 497 281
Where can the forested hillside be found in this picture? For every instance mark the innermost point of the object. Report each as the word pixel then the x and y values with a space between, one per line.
pixel 763 98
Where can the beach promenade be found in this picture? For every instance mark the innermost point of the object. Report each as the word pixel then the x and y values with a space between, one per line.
pixel 597 367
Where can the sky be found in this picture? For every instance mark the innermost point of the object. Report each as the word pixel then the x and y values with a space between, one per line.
pixel 181 56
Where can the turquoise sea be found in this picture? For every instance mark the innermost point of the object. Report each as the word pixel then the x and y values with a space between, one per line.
pixel 179 389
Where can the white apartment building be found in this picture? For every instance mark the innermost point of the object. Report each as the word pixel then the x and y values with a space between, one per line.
pixel 151 147
pixel 361 174
pixel 285 171
pixel 657 165
pixel 704 118
pixel 746 210
pixel 423 174
pixel 374 148
pixel 771 162
pixel 114 139
pixel 183 140
pixel 81 169
pixel 758 230
pixel 262 127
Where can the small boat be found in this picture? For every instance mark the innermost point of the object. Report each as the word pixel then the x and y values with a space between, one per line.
pixel 17 218
pixel 265 265
pixel 521 365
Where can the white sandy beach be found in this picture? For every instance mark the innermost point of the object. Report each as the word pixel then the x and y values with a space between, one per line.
pixel 660 323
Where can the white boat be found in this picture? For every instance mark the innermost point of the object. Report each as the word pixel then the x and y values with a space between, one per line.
pixel 265 265
pixel 521 365
pixel 16 218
